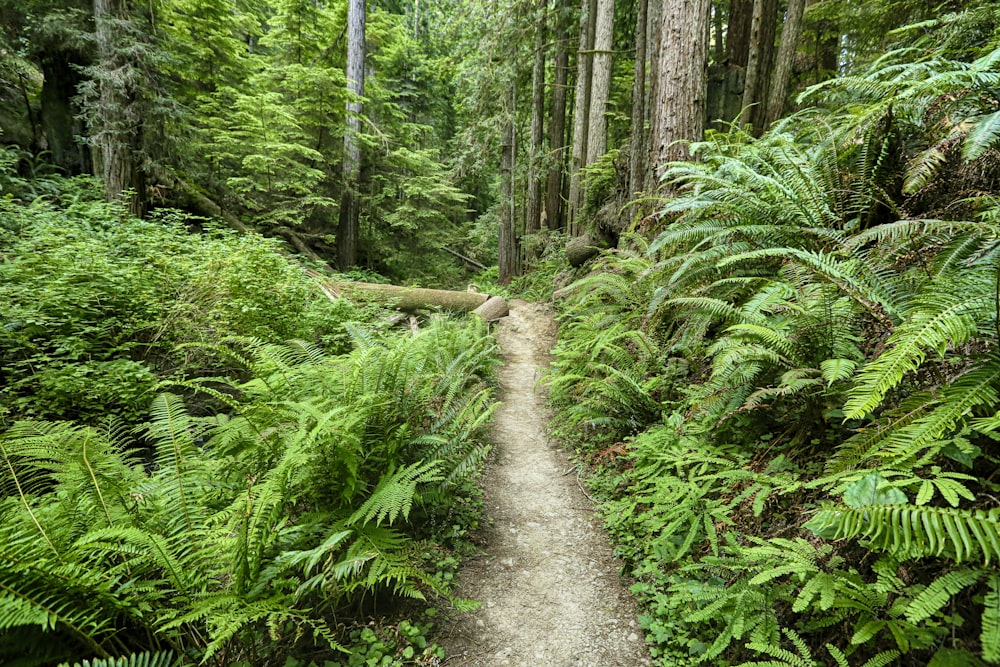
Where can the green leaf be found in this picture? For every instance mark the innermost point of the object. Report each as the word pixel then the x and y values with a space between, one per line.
pixel 990 636
pixel 837 369
pixel 872 489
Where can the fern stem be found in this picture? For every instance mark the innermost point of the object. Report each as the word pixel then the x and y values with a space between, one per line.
pixel 93 477
pixel 84 637
pixel 996 303
pixel 24 501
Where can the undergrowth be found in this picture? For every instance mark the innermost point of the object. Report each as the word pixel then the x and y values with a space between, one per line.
pixel 788 396
pixel 206 460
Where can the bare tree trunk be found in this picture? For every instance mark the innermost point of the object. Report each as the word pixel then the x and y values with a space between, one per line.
pixel 533 220
pixel 507 241
pixel 581 109
pixel 718 42
pixel 117 121
pixel 654 42
pixel 768 33
pixel 738 32
pixel 347 229
pixel 790 35
pixel 681 92
pixel 557 129
pixel 597 135
pixel 753 63
pixel 636 163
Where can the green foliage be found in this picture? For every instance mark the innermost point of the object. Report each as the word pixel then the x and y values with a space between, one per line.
pixel 95 303
pixel 134 660
pixel 296 497
pixel 807 473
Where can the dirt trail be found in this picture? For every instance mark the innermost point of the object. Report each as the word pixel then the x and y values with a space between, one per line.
pixel 548 581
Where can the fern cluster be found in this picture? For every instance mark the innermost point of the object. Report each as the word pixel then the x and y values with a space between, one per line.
pixel 267 508
pixel 798 380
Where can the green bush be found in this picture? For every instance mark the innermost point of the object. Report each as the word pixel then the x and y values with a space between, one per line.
pixel 95 304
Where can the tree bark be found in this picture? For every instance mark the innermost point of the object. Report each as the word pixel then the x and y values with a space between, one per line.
pixel 654 41
pixel 347 228
pixel 738 32
pixel 597 134
pixel 557 128
pixel 533 219
pixel 581 109
pixel 117 120
pixel 780 82
pixel 753 63
pixel 507 239
pixel 636 163
pixel 768 34
pixel 681 90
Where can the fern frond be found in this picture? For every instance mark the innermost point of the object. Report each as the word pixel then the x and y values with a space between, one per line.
pixel 989 638
pixel 983 135
pixel 916 530
pixel 941 320
pixel 393 497
pixel 937 594
pixel 144 659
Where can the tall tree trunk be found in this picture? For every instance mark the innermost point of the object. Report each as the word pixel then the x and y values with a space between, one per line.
pixel 654 42
pixel 507 240
pixel 780 82
pixel 766 58
pixel 718 41
pixel 557 127
pixel 636 163
pixel 597 135
pixel 533 220
pixel 753 63
pixel 347 229
pixel 738 32
pixel 581 109
pixel 116 119
pixel 681 91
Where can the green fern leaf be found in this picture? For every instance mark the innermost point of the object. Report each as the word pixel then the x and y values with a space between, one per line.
pixel 145 659
pixel 393 497
pixel 834 370
pixel 983 135
pixel 939 592
pixel 990 637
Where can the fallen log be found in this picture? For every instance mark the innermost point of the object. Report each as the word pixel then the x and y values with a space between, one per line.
pixel 410 299
pixel 179 192
pixel 580 249
pixel 493 309
pixel 468 260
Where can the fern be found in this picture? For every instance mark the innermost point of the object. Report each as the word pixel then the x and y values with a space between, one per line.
pixel 913 531
pixel 939 592
pixel 144 659
pixel 990 635
pixel 393 497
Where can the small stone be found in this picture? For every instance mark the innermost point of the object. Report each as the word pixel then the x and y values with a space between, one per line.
pixel 632 637
pixel 480 623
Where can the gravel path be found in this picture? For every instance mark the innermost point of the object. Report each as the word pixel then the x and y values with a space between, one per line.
pixel 548 581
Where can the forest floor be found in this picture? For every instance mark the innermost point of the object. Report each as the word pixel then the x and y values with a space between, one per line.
pixel 548 582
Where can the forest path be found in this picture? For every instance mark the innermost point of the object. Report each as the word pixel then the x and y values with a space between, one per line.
pixel 547 579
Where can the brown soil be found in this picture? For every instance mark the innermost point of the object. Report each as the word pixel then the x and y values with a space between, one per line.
pixel 547 579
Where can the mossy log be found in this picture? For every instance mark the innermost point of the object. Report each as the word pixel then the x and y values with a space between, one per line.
pixel 580 249
pixel 411 299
